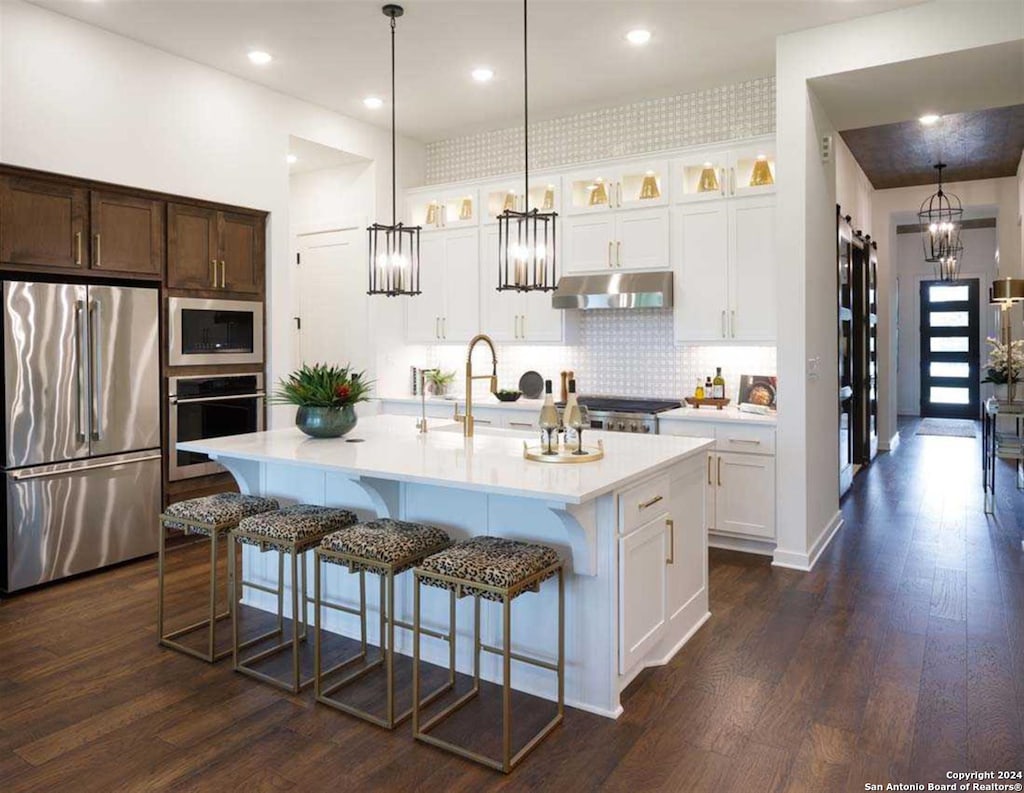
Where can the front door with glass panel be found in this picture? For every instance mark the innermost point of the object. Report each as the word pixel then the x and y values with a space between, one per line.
pixel 950 359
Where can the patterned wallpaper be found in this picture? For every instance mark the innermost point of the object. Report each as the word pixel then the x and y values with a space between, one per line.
pixel 629 352
pixel 741 110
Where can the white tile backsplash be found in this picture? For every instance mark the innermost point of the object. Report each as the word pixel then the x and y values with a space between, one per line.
pixel 627 352
pixel 728 112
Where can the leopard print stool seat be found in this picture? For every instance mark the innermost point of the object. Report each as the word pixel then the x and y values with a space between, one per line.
pixel 214 513
pixel 212 517
pixel 383 545
pixel 300 525
pixel 385 548
pixel 291 531
pixel 497 569
pixel 493 562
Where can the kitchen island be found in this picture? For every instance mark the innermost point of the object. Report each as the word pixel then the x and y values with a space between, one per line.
pixel 630 527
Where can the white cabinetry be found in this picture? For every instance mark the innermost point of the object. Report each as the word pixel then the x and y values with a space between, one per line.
pixel 643 589
pixel 442 207
pixel 725 270
pixel 635 239
pixel 449 307
pixel 513 316
pixel 740 479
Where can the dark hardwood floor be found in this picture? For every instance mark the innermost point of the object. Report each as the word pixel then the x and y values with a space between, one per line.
pixel 899 658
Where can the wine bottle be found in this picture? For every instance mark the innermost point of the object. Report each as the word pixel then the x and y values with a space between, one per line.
pixel 718 384
pixel 571 414
pixel 548 416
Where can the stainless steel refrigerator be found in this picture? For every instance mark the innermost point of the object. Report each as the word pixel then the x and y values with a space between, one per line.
pixel 81 428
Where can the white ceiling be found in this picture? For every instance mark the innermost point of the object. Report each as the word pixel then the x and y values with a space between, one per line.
pixel 335 53
pixel 954 82
pixel 311 156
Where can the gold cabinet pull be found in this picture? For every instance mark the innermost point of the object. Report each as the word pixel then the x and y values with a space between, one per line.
pixel 649 503
pixel 719 471
pixel 213 273
pixel 78 247
pixel 618 254
pixel 609 253
pixel 99 255
pixel 223 274
pixel 709 470
pixel 671 526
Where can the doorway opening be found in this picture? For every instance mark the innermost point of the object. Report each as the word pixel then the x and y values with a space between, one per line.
pixel 950 359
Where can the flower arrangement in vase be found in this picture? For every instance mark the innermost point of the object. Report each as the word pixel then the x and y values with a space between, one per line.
pixel 1005 364
pixel 326 397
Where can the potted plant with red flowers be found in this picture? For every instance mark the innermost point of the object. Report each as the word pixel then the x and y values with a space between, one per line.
pixel 326 397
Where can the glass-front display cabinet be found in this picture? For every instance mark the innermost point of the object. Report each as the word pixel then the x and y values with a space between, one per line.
pixel 752 170
pixel 545 195
pixel 703 177
pixel 444 209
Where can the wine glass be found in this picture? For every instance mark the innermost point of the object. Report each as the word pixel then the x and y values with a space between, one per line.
pixel 580 420
pixel 549 425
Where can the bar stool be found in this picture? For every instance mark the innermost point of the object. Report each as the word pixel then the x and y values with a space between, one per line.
pixel 209 516
pixel 500 570
pixel 385 548
pixel 291 531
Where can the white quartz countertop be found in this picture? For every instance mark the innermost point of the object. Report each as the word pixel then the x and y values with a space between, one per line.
pixel 390 447
pixel 726 414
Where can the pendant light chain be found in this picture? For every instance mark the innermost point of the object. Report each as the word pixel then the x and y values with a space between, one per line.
pixel 394 147
pixel 526 113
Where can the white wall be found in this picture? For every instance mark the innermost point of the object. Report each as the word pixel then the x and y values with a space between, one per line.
pixel 807 451
pixel 979 261
pixel 79 100
pixel 854 192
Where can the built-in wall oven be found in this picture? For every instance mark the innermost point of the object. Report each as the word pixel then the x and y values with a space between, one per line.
pixel 210 406
pixel 201 332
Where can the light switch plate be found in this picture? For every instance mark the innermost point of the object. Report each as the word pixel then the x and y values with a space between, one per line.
pixel 813 367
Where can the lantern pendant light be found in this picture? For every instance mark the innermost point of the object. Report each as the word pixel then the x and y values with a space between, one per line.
pixel 940 218
pixel 394 252
pixel 526 240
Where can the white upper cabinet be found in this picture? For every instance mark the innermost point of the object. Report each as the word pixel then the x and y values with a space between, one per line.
pixel 753 272
pixel 448 310
pixel 642 184
pixel 725 271
pixel 642 239
pixel 752 170
pixel 513 316
pixel 590 191
pixel 588 243
pixel 701 250
pixel 443 208
pixel 700 177
pixel 545 195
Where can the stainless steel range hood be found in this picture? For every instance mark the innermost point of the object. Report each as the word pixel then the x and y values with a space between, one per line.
pixel 614 290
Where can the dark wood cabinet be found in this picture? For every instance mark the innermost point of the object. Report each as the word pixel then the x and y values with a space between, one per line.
pixel 214 251
pixel 127 234
pixel 242 253
pixel 43 223
pixel 193 248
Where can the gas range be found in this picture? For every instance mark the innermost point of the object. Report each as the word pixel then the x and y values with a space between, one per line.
pixel 625 414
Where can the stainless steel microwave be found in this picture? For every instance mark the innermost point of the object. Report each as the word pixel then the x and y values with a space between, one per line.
pixel 201 332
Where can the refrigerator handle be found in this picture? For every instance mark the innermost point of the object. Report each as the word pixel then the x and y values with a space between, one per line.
pixel 23 475
pixel 81 372
pixel 96 368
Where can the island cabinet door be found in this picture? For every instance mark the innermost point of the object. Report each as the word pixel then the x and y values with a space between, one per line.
pixel 643 581
pixel 745 497
pixel 687 565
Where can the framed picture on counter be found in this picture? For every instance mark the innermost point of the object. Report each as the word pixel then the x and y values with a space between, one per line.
pixel 757 389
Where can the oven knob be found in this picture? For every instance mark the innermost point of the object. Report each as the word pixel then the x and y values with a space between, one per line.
pixel 620 426
pixel 645 428
pixel 632 426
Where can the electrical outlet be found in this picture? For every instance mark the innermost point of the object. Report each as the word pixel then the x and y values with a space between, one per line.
pixel 813 368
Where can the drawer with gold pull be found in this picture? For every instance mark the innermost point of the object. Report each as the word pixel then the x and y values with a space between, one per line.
pixel 643 502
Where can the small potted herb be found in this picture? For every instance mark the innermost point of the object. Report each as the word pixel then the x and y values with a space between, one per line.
pixel 438 381
pixel 326 397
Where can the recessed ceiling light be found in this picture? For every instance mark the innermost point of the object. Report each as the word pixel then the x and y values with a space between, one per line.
pixel 483 74
pixel 260 58
pixel 638 37
pixel 292 159
pixel 929 118
pixel 373 102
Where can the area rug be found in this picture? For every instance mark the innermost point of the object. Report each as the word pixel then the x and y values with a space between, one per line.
pixel 950 427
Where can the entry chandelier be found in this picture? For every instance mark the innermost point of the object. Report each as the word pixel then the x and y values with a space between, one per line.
pixel 394 259
pixel 940 218
pixel 526 240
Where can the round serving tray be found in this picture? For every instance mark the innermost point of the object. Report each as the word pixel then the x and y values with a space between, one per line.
pixel 563 456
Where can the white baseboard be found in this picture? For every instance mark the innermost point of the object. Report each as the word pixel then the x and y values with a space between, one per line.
pixel 742 544
pixel 892 445
pixel 796 560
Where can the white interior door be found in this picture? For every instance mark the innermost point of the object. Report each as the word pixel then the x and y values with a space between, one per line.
pixel 333 324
